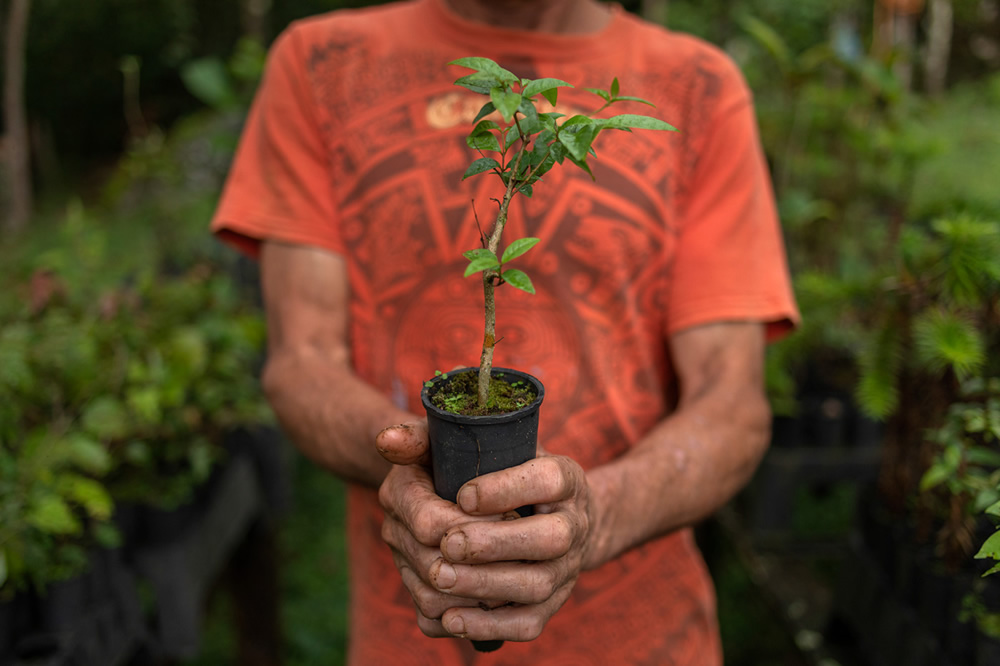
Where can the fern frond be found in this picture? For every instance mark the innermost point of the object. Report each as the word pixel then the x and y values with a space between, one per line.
pixel 948 340
pixel 971 257
pixel 877 391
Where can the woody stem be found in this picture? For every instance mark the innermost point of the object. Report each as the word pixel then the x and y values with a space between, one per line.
pixel 489 298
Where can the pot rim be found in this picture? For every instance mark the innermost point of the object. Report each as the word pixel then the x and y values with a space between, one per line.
pixel 488 419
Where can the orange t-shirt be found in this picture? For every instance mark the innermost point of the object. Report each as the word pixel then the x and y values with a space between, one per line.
pixel 356 143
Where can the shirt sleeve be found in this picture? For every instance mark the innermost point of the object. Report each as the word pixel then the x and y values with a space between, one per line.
pixel 730 263
pixel 279 186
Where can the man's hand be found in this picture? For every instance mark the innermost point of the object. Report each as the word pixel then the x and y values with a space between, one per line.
pixel 471 569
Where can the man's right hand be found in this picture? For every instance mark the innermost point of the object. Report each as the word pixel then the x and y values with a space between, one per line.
pixel 416 519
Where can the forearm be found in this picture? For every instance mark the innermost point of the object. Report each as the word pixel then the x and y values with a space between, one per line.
pixel 330 414
pixel 684 469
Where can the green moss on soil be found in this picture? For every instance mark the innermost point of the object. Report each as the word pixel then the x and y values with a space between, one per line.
pixel 460 395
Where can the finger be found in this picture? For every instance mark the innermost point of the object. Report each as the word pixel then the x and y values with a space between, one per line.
pixel 408 495
pixel 540 481
pixel 429 602
pixel 539 537
pixel 519 582
pixel 404 444
pixel 512 623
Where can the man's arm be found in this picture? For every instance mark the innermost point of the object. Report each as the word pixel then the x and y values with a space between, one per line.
pixel 684 469
pixel 697 459
pixel 330 414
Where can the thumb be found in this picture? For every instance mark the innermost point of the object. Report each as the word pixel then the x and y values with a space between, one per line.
pixel 405 444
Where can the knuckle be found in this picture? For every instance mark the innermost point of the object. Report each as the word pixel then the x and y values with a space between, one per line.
pixel 428 602
pixel 561 536
pixel 424 528
pixel 531 628
pixel 387 532
pixel 385 496
pixel 429 627
pixel 560 475
pixel 548 580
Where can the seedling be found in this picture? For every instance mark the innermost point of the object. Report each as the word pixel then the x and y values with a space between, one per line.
pixel 519 151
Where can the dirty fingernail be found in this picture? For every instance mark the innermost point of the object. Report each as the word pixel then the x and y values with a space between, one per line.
pixel 456 625
pixel 445 577
pixel 468 499
pixel 455 546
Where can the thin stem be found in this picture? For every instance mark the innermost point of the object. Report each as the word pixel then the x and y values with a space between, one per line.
pixel 489 297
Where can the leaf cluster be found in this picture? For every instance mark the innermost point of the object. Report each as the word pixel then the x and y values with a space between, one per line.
pixel 527 143
pixel 110 393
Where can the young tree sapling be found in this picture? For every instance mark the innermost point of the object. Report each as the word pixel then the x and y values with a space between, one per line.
pixel 519 151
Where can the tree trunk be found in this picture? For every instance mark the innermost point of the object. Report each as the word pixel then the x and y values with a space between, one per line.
pixel 655 11
pixel 895 34
pixel 940 24
pixel 16 171
pixel 255 19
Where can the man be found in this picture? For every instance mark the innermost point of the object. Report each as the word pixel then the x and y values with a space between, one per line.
pixel 658 285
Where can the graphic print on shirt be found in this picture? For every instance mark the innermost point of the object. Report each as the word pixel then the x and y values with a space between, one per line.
pixel 600 270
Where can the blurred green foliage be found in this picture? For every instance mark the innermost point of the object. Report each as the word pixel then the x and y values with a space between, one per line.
pixel 127 345
pixel 116 384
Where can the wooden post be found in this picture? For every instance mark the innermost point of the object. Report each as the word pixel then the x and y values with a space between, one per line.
pixel 940 25
pixel 255 19
pixel 14 147
pixel 895 33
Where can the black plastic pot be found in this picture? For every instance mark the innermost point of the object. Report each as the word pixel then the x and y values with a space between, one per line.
pixel 464 447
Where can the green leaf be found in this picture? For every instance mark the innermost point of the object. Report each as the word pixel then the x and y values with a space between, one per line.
pixel 769 38
pixel 547 88
pixel 991 548
pixel 530 124
pixel 484 141
pixel 603 94
pixel 578 142
pixel 481 165
pixel 629 98
pixel 480 259
pixel 487 109
pixel 517 248
pixel 526 190
pixel 91 495
pixel 995 568
pixel 88 455
pixel 477 253
pixel 993 509
pixel 479 265
pixel 583 165
pixel 479 83
pixel 208 80
pixel 486 66
pixel 519 280
pixel 105 418
pixel 145 404
pixel 980 455
pixel 634 121
pixel 52 515
pixel 936 474
pixel 577 120
pixel 506 102
pixel 614 88
pixel 484 127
